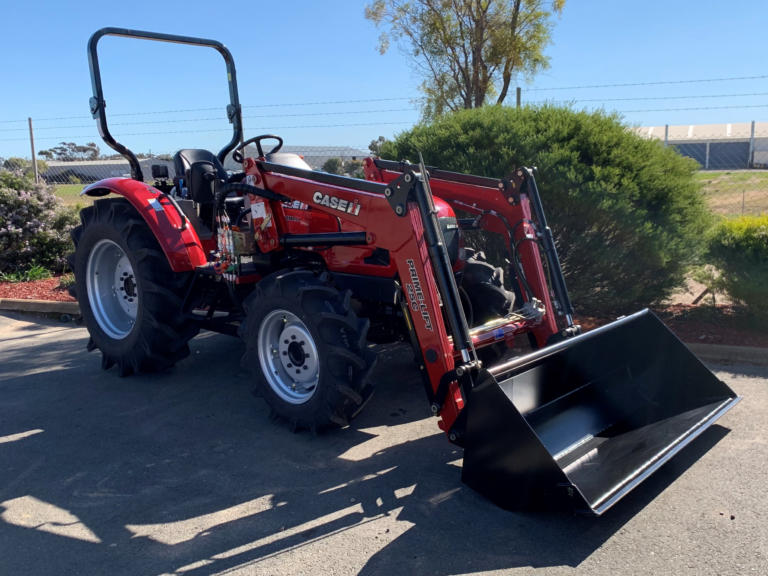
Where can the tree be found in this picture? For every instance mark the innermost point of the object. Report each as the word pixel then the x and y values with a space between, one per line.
pixel 353 168
pixel 467 50
pixel 15 164
pixel 24 166
pixel 68 151
pixel 375 145
pixel 332 166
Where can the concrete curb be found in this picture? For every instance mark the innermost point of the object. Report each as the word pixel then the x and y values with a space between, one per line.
pixel 717 353
pixel 39 306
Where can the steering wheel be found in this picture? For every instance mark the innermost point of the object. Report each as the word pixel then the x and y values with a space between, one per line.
pixel 237 155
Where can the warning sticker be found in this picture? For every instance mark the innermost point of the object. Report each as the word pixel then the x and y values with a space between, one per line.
pixel 258 210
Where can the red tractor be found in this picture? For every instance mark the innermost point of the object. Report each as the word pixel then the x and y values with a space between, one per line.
pixel 312 270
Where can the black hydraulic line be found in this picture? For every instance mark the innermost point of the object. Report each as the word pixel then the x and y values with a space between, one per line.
pixel 324 239
pixel 98 104
pixel 548 243
pixel 224 189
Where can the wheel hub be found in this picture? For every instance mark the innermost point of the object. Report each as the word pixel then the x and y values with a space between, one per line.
pixel 112 289
pixel 288 356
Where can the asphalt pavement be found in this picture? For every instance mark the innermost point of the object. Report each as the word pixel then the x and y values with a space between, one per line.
pixel 185 472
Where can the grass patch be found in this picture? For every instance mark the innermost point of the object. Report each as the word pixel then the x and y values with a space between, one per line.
pixel 66 280
pixel 30 275
pixel 735 192
pixel 70 194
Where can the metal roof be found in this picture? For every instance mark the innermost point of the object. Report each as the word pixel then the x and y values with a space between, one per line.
pixel 703 132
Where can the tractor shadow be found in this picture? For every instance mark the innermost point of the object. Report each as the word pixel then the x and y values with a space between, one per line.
pixel 184 472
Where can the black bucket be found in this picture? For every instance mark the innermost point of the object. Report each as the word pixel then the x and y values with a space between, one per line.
pixel 584 421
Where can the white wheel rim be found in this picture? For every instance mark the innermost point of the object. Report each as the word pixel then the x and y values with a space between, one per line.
pixel 112 289
pixel 288 356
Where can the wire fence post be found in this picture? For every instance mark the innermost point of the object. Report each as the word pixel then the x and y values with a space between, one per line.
pixel 32 145
pixel 518 96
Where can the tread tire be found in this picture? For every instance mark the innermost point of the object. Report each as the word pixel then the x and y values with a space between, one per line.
pixel 159 337
pixel 344 384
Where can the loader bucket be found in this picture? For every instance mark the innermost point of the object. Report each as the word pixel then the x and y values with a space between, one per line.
pixel 582 422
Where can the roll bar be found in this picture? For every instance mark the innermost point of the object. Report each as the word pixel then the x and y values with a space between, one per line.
pixel 98 104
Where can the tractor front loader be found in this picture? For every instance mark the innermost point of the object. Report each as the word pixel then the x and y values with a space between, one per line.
pixel 312 270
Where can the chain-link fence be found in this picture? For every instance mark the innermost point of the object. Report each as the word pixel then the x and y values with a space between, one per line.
pixel 337 159
pixel 733 158
pixel 735 192
pixel 735 146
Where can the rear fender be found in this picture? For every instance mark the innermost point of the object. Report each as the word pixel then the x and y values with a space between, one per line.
pixel 182 248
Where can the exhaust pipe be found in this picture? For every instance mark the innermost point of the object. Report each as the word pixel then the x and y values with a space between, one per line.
pixel 581 423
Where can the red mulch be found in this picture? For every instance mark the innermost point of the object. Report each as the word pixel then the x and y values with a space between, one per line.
pixel 47 289
pixel 702 324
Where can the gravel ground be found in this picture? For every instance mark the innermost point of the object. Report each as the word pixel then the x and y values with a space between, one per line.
pixel 185 473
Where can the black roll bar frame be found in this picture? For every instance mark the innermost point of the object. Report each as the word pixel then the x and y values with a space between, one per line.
pixel 98 104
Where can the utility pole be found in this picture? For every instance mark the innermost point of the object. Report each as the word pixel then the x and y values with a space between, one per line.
pixel 518 95
pixel 32 145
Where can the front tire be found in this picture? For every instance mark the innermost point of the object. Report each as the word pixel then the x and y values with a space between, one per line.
pixel 129 297
pixel 307 350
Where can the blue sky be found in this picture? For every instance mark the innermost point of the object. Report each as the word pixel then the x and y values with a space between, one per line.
pixel 310 71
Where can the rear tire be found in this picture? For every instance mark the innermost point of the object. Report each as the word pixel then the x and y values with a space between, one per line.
pixel 130 299
pixel 307 350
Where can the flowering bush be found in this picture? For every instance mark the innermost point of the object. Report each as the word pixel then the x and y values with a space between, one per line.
pixel 34 227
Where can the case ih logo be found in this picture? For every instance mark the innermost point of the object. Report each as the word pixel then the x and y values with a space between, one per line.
pixel 337 203
pixel 416 296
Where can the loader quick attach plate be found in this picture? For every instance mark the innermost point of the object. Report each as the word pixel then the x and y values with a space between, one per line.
pixel 583 422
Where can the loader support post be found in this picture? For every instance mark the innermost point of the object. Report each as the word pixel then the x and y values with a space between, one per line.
pixel 550 252
pixel 462 340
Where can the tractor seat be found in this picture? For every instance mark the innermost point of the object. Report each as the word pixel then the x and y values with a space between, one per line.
pixel 199 169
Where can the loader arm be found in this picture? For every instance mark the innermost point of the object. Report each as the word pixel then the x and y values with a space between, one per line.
pixel 512 209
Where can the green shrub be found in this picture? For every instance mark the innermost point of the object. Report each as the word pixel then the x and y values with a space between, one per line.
pixel 34 227
pixel 36 272
pixel 739 249
pixel 626 213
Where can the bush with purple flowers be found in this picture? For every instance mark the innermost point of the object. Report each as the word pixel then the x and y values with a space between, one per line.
pixel 34 226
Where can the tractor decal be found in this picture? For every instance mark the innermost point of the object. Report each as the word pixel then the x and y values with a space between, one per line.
pixel 340 204
pixel 416 296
